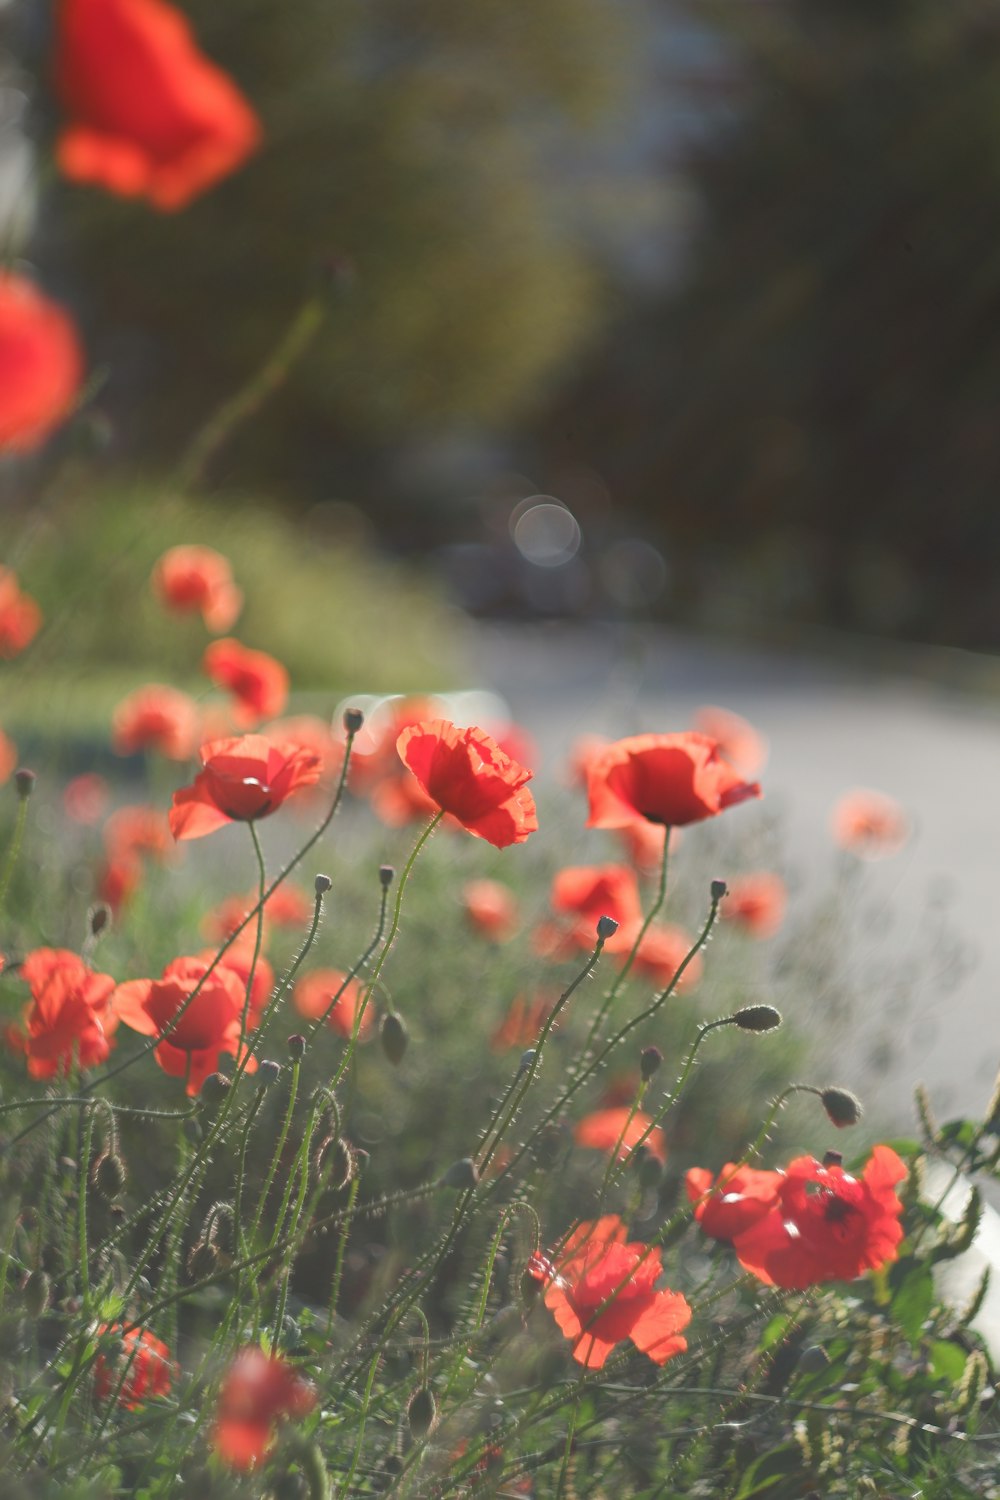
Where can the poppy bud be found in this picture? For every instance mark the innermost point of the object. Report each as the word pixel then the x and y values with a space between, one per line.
pixel 353 720
pixel 24 780
pixel 833 1158
pixel 549 1145
pixel 37 1291
pixel 842 1107
pixel 757 1018
pixel 322 884
pixel 462 1174
pixel 650 1171
pixel 606 928
pixel 215 1088
pixel 108 1175
pixel 813 1359
pixel 203 1259
pixel 718 889
pixel 99 919
pixel 385 875
pixel 650 1059
pixel 421 1412
pixel 296 1045
pixel 394 1037
pixel 269 1072
pixel 527 1059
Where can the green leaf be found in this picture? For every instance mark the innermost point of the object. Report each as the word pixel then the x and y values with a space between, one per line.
pixel 771 1469
pixel 775 1330
pixel 947 1361
pixel 912 1288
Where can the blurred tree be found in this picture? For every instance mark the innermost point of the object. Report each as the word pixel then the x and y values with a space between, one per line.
pixel 422 152
pixel 810 413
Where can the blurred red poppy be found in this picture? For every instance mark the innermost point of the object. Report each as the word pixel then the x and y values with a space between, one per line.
pixel 156 717
pixel 869 824
pixel 756 902
pixel 826 1225
pixel 258 683
pixel 663 949
pixel 41 367
pixel 524 1020
pixel 288 907
pixel 145 1359
pixel 85 798
pixel 466 774
pixel 588 892
pixel 738 741
pixel 670 779
pixel 243 779
pixel 8 756
pixel 604 1292
pixel 138 829
pixel 198 578
pixel 312 998
pixel 147 114
pixel 737 1199
pixel 70 1019
pixel 490 908
pixel 602 1131
pixel 258 1391
pixel 209 1026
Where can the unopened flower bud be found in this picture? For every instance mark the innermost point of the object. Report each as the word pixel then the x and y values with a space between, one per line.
pixel 527 1059
pixel 833 1158
pixel 108 1175
pixel 37 1291
pixel 549 1145
pixel 24 780
pixel 606 928
pixel 203 1260
pixel 718 889
pixel 269 1072
pixel 421 1412
pixel 296 1045
pixel 462 1174
pixel 813 1359
pixel 649 1171
pixel 353 720
pixel 650 1059
pixel 215 1088
pixel 322 884
pixel 757 1018
pixel 842 1107
pixel 394 1037
pixel 386 874
pixel 99 918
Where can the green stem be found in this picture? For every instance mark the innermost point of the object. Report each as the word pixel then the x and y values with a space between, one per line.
pixel 17 839
pixel 259 932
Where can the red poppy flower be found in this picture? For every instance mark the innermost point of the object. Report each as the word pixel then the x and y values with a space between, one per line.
pixel 243 779
pixel 598 1267
pixel 663 949
pixel 155 717
pixel 466 774
pixel 523 1022
pixel 374 752
pixel 671 779
pixel 737 739
pixel 148 115
pixel 733 1202
pixel 150 1370
pixel 258 1391
pixel 239 958
pixel 312 733
pixel 209 1026
pixel 41 366
pixel 756 902
pixel 869 824
pixel 258 683
pixel 85 798
pixel 313 994
pixel 602 1131
pixel 490 908
pixel 826 1225
pixel 8 756
pixel 70 1020
pixel 198 578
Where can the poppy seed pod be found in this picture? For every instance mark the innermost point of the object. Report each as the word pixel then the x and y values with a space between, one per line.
pixel 650 1059
pixel 718 889
pixel 386 875
pixel 24 780
pixel 322 884
pixel 353 720
pixel 606 928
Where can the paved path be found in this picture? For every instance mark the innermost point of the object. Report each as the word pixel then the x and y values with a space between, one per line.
pixel 829 728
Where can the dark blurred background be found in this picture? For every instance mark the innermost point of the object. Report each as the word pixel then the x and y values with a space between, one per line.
pixel 681 309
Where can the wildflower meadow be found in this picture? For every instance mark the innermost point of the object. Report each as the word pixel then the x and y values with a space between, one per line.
pixel 354 1138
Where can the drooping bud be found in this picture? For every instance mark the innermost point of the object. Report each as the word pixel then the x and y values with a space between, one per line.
pixel 37 1291
pixel 759 1018
pixel 24 780
pixel 108 1175
pixel 718 889
pixel 394 1037
pixel 322 884
pixel 462 1174
pixel 203 1259
pixel 842 1107
pixel 650 1059
pixel 606 928
pixel 421 1413
pixel 353 720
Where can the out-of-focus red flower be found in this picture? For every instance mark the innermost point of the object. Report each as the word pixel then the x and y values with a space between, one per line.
pixel 604 1292
pixel 643 844
pixel 258 1391
pixel 398 798
pixel 41 367
pixel 584 752
pixel 288 907
pixel 147 114
pixel 209 1026
pixel 661 953
pixel 8 757
pixel 197 578
pixel 70 1019
pixel 312 733
pixel 138 829
pixel 602 1131
pixel 588 892
pixel 739 742
pixel 239 958
pixel 85 798
pixel 243 779
pixel 118 879
pixel 150 1371
pixel 827 1225
pixel 313 994
pixel 20 616
pixel 737 1199
pixel 466 774
pixel 374 752
pixel 258 682
pixel 490 908
pixel 672 779
pixel 523 1022
pixel 156 717
pixel 756 902
pixel 869 824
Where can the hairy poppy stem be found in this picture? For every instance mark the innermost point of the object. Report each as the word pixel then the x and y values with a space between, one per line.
pixel 14 849
pixel 259 930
